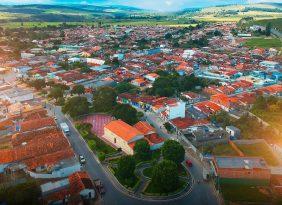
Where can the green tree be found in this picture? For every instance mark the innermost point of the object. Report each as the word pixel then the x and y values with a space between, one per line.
pixel 125 168
pixel 260 103
pixel 165 176
pixel 78 89
pixel 76 106
pixel 37 84
pixel 268 29
pixel 126 113
pixel 222 118
pixel 56 92
pixel 142 150
pixel 104 99
pixel 174 151
pixel 25 194
pixel 124 87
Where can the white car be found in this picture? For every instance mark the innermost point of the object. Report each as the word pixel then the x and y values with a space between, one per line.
pixel 82 159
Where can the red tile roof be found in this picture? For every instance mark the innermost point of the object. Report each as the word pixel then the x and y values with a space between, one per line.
pixel 37 124
pixel 144 127
pixel 123 130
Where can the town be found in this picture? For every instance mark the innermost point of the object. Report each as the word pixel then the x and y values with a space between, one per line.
pixel 139 115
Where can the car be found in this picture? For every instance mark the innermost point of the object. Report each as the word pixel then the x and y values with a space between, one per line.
pixel 189 163
pixel 82 160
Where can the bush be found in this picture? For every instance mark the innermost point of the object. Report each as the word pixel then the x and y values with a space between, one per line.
pixel 101 156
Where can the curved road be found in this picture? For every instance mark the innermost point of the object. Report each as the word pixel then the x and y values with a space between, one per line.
pixel 201 194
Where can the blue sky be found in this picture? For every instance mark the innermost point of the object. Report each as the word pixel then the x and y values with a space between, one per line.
pixel 160 5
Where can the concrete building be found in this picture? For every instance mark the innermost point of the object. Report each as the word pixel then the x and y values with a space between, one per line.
pixel 243 170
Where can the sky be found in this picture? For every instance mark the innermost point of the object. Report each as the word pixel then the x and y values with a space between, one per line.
pixel 158 5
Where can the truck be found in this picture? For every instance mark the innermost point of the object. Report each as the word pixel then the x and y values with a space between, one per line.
pixel 65 128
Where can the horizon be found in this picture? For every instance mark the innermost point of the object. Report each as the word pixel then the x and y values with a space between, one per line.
pixel 166 5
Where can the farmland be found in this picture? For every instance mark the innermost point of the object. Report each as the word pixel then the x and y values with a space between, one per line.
pixel 264 43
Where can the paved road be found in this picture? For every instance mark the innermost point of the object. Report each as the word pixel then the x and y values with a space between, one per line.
pixel 200 195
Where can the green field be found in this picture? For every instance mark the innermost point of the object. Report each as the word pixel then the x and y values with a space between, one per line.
pixel 264 43
pixel 259 150
pixel 273 118
pixel 244 193
pixel 220 150
pixel 276 23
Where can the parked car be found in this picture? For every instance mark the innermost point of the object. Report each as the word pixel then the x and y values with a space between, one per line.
pixel 189 163
pixel 82 160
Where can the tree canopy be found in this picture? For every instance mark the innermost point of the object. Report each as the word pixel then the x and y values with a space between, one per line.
pixel 126 113
pixel 56 92
pixel 76 106
pixel 174 151
pixel 25 194
pixel 126 167
pixel 126 87
pixel 165 176
pixel 104 99
pixel 38 84
pixel 78 89
pixel 142 150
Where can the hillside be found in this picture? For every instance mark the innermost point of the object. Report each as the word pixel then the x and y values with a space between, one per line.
pixel 63 13
pixel 236 12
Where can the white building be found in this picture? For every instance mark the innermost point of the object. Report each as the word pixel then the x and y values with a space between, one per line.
pixel 270 64
pixel 188 53
pixel 174 110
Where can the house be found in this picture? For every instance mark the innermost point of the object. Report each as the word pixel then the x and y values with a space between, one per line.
pixel 234 132
pixel 173 109
pixel 270 64
pixel 139 82
pixel 192 97
pixel 124 136
pixel 71 190
pixel 243 170
pixel 16 94
pixel 151 76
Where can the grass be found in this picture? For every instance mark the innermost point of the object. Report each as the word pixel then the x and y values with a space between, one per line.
pixel 148 172
pixel 243 193
pixel 273 118
pixel 259 150
pixel 220 150
pixel 264 43
pixel 100 145
pixel 276 23
pixel 42 24
pixel 151 189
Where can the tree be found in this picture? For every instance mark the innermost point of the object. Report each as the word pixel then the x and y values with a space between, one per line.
pixel 56 92
pixel 125 168
pixel 165 176
pixel 78 89
pixel 268 29
pixel 221 118
pixel 126 87
pixel 126 113
pixel 25 193
pixel 142 150
pixel 37 84
pixel 104 99
pixel 174 151
pixel 260 103
pixel 76 106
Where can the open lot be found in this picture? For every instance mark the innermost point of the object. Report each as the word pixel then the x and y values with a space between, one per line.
pixel 264 43
pixel 243 193
pixel 220 150
pixel 259 149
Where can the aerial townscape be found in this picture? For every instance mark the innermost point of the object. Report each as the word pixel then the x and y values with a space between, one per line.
pixel 140 102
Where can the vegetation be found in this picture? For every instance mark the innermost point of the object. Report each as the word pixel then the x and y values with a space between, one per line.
pixel 56 93
pixel 126 113
pixel 259 150
pixel 37 84
pixel 126 87
pixel 174 151
pixel 142 150
pixel 221 118
pixel 78 89
pixel 100 147
pixel 165 177
pixel 104 99
pixel 27 193
pixel 219 150
pixel 125 171
pixel 264 43
pixel 172 84
pixel 76 106
pixel 244 193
